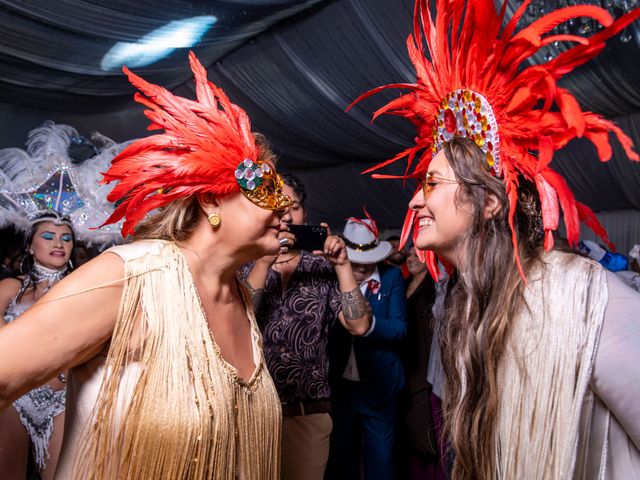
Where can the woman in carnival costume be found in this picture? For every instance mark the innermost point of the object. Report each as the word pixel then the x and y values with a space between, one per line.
pixel 38 416
pixel 167 376
pixel 539 347
pixel 44 194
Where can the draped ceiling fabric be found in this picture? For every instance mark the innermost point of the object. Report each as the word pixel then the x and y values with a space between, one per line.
pixel 294 66
pixel 51 50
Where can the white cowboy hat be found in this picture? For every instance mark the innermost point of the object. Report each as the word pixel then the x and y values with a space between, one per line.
pixel 363 241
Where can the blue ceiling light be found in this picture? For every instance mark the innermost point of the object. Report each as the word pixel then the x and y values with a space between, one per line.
pixel 158 43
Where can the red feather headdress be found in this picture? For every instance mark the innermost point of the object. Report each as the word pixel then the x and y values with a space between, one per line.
pixel 476 85
pixel 200 151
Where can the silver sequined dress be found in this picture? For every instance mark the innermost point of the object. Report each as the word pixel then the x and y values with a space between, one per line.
pixel 38 407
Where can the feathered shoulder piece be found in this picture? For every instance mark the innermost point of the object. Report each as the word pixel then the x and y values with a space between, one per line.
pixel 206 147
pixel 478 85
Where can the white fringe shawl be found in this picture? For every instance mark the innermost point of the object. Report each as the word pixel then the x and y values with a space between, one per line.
pixel 545 371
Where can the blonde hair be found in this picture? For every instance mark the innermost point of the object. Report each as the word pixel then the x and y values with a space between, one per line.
pixel 177 220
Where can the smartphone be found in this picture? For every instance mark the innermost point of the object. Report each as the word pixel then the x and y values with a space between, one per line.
pixel 308 237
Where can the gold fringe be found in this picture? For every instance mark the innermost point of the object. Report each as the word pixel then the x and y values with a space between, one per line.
pixel 169 405
pixel 546 369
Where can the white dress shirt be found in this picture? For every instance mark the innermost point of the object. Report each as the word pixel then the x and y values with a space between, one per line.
pixel 351 370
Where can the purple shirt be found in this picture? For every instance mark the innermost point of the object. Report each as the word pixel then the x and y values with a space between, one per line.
pixel 295 326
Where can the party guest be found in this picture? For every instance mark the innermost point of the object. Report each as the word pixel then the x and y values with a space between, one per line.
pixel 539 346
pixel 419 449
pixel 367 372
pixel 166 371
pixel 300 297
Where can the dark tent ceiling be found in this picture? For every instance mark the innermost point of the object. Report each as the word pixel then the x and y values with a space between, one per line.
pixel 294 66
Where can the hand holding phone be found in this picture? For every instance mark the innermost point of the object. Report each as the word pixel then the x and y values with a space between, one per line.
pixel 308 237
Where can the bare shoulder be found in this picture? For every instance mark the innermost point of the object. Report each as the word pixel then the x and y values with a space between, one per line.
pixel 107 266
pixel 104 271
pixel 9 288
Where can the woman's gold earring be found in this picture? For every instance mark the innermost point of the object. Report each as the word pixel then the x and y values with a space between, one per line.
pixel 214 220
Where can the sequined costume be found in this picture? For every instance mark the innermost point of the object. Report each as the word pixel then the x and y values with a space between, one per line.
pixel 188 414
pixel 37 408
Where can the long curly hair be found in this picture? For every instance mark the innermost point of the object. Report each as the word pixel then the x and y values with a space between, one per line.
pixel 475 316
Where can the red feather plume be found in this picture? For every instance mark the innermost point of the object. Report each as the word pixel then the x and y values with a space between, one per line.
pixel 468 51
pixel 201 146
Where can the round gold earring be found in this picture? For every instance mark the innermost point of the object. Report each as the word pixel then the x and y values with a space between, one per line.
pixel 214 220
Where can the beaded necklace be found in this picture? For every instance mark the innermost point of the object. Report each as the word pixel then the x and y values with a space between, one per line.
pixel 51 275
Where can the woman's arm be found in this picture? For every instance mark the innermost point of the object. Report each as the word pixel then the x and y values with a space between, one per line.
pixel 256 280
pixel 616 373
pixel 355 315
pixel 65 328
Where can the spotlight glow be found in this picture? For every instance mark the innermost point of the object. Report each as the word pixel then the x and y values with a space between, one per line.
pixel 158 43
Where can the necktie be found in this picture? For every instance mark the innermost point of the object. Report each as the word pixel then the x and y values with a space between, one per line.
pixel 373 286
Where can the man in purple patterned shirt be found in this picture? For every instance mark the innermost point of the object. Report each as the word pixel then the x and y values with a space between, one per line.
pixel 299 296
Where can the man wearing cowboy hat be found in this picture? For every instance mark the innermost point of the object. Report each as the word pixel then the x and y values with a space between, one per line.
pixel 366 370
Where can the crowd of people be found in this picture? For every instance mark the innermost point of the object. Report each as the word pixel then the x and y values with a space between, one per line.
pixel 363 301
pixel 356 400
pixel 211 345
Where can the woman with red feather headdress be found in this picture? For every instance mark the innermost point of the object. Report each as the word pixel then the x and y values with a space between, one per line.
pixel 167 376
pixel 540 348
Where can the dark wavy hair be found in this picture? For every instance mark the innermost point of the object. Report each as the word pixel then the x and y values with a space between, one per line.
pixel 28 261
pixel 298 186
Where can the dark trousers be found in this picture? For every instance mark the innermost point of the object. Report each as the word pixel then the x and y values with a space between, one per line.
pixel 363 437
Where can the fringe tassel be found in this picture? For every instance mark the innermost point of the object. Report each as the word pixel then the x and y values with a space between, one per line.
pixel 546 370
pixel 169 405
pixel 36 411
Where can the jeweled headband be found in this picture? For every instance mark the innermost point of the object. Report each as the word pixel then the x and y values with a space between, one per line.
pixel 50 216
pixel 468 114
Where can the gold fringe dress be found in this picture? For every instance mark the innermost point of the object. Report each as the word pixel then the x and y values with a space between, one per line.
pixel 161 402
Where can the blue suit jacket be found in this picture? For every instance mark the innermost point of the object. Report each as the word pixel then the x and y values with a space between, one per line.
pixel 377 354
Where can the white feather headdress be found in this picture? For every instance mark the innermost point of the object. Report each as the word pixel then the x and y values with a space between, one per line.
pixel 44 177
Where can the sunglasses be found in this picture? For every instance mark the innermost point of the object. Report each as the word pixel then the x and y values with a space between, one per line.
pixel 431 182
